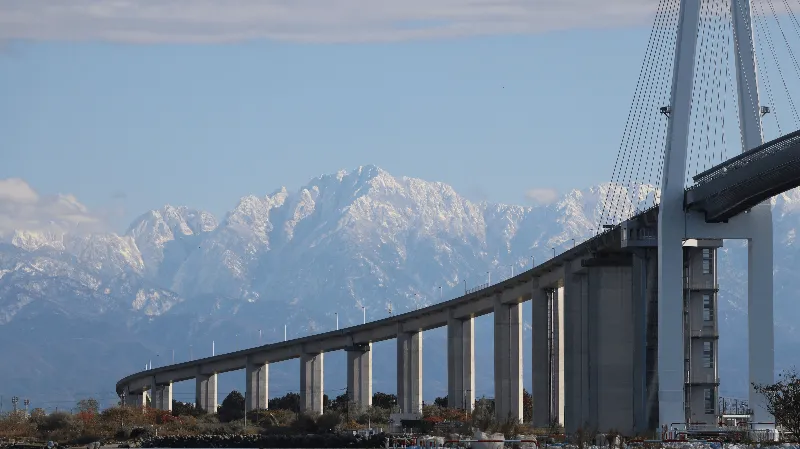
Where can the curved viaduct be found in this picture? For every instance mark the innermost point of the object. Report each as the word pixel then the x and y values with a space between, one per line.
pixel 594 346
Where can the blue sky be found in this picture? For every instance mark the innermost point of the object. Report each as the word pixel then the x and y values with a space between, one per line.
pixel 132 125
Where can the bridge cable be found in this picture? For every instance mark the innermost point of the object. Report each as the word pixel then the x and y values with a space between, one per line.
pixel 726 25
pixel 793 20
pixel 652 115
pixel 667 81
pixel 719 81
pixel 764 68
pixel 699 92
pixel 657 128
pixel 623 211
pixel 771 46
pixel 748 83
pixel 624 144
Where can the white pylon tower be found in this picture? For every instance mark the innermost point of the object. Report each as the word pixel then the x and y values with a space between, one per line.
pixel 676 225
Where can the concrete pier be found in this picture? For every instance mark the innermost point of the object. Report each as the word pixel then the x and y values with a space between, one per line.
pixel 311 383
pixel 164 397
pixel 409 372
pixel 359 376
pixel 540 360
pixel 576 351
pixel 206 392
pixel 460 363
pixel 507 360
pixel 612 347
pixel 256 385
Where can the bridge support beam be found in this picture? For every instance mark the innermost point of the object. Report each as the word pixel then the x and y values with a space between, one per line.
pixel 409 372
pixel 760 319
pixel 359 376
pixel 164 401
pixel 671 224
pixel 311 383
pixel 576 352
pixel 540 391
pixel 612 348
pixel 460 364
pixel 206 392
pixel 256 385
pixel 507 361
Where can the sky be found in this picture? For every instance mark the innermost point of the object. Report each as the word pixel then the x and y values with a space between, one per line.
pixel 124 106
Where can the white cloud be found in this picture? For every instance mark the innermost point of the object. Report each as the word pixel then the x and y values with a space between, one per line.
pixel 21 208
pixel 197 21
pixel 542 196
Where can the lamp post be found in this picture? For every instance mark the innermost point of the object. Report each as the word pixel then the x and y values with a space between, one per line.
pixel 14 400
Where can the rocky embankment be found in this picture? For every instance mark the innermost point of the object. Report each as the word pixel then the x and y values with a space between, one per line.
pixel 276 441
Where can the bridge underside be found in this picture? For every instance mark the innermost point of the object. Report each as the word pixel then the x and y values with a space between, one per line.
pixel 744 181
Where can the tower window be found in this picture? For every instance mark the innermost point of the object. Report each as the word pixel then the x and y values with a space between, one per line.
pixel 709 401
pixel 708 355
pixel 708 308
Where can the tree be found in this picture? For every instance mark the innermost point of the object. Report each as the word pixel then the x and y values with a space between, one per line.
pixel 185 409
pixel 88 406
pixel 383 400
pixel 339 403
pixel 783 401
pixel 291 401
pixel 527 406
pixel 440 402
pixel 232 407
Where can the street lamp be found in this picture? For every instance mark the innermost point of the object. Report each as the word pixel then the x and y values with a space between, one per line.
pixel 14 400
pixel 27 402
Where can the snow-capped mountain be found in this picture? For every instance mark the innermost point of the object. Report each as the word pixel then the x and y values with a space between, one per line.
pixel 82 310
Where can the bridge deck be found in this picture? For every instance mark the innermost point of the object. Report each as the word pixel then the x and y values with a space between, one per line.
pixel 738 184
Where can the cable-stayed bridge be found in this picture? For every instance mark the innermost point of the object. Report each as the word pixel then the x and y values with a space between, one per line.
pixel 624 325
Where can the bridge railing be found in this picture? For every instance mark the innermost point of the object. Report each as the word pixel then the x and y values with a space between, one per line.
pixel 759 152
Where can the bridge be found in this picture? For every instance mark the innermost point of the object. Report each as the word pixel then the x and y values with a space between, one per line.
pixel 624 325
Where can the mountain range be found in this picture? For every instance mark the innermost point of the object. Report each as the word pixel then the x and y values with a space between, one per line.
pixel 81 307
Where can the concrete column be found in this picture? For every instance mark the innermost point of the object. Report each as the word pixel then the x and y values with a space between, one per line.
pixel 256 385
pixel 206 392
pixel 311 383
pixel 164 397
pixel 507 360
pixel 409 372
pixel 540 360
pixel 359 375
pixel 645 320
pixel 576 352
pixel 155 400
pixel 760 319
pixel 611 289
pixel 558 354
pixel 460 364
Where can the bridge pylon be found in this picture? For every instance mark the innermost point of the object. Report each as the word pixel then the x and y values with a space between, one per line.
pixel 676 225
